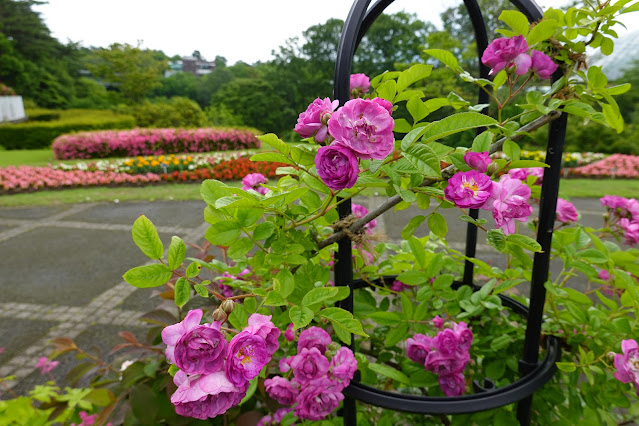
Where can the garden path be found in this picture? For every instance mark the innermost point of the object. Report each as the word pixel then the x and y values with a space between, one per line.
pixel 61 272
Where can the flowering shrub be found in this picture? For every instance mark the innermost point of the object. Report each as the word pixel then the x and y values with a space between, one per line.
pixel 135 142
pixel 415 328
pixel 616 165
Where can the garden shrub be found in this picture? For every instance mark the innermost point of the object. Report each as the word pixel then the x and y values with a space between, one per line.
pixel 128 143
pixel 40 133
pixel 175 112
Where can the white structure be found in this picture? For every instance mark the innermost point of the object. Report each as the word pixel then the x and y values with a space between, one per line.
pixel 11 108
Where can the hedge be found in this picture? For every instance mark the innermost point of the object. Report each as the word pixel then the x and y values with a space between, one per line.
pixel 48 124
pixel 131 143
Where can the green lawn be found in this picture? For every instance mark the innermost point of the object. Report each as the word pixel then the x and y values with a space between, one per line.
pixel 32 157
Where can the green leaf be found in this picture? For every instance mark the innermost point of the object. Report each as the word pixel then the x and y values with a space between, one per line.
pixel 274 299
pixel 497 239
pixel 445 57
pixel 387 90
pixel 416 108
pixel 482 142
pixel 182 292
pixel 522 164
pixel 387 371
pixel 500 79
pixel 146 237
pixel 193 270
pixel 273 157
pixel 411 75
pixel 413 277
pixel 343 323
pixel 456 123
pixel 592 256
pixel 239 317
pixel 524 242
pixel 437 225
pixel 286 282
pixel 240 248
pixel 300 316
pixel 250 391
pixel 272 140
pixel 148 276
pixel 402 126
pixel 263 231
pixel 424 159
pixel 177 251
pixel 396 334
pixel 201 290
pixel 517 21
pixel 319 295
pixel 386 318
pixel 512 150
pixel 542 31
pixel 248 216
pixel 567 367
pixel 211 190
pixel 418 250
pixel 223 233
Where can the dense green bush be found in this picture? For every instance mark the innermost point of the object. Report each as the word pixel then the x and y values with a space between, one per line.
pixel 40 133
pixel 174 112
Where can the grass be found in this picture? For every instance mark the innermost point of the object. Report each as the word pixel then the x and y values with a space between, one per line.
pixel 597 188
pixel 23 157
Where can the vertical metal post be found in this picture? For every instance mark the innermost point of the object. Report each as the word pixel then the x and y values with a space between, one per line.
pixel 541 264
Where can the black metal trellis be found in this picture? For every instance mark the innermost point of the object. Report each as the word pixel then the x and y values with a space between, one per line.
pixel 534 373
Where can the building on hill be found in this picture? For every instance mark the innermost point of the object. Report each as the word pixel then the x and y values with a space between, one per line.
pixel 195 66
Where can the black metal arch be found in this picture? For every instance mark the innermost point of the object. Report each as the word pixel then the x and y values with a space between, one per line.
pixel 534 373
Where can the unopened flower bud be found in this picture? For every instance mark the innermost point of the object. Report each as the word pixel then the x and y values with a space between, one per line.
pixel 606 217
pixel 332 346
pixel 329 354
pixel 492 168
pixel 611 356
pixel 219 315
pixel 227 306
pixel 354 94
pixel 325 117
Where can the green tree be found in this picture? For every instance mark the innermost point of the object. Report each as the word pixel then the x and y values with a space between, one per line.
pixel 179 84
pixel 210 83
pixel 130 69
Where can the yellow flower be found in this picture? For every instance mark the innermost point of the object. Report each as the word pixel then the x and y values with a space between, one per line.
pixel 155 163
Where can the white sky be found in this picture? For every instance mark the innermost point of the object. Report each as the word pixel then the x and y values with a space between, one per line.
pixel 245 30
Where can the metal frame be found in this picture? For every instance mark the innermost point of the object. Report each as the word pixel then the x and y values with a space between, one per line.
pixel 534 373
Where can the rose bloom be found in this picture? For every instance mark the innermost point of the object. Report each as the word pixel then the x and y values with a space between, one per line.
pixel 309 365
pixel 439 363
pixel 399 286
pixel 418 347
pixel 468 189
pixel 446 342
pixel 365 127
pixel 359 83
pixel 522 174
pixel 205 396
pixel 253 181
pixel 361 211
pixel 464 334
pixel 452 384
pixel 507 52
pixel 337 166
pixel 438 322
pixel 477 160
pixel 247 355
pixel 317 400
pixel 201 350
pixel 343 366
pixel 261 326
pixel 566 211
pixel 542 64
pixel 314 337
pixel 385 104
pixel 314 120
pixel 631 231
pixel 281 390
pixel 627 365
pixel 509 202
pixel 289 334
pixel 172 334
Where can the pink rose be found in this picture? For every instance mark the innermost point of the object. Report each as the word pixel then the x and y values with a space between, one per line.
pixel 627 365
pixel 468 189
pixel 566 211
pixel 253 181
pixel 317 400
pixel 337 166
pixel 446 342
pixel 314 120
pixel 365 127
pixel 289 334
pixel 360 84
pixel 439 363
pixel 507 52
pixel 361 211
pixel 172 334
pixel 542 64
pixel 247 355
pixel 477 160
pixel 314 337
pixel 261 326
pixel 309 365
pixel 452 384
pixel 281 390
pixel 204 396
pixel 343 366
pixel 418 347
pixel 201 350
pixel 509 202
pixel 438 322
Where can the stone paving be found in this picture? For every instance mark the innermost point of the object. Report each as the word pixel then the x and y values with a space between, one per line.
pixel 61 271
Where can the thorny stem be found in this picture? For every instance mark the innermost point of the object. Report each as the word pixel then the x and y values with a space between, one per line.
pixel 446 172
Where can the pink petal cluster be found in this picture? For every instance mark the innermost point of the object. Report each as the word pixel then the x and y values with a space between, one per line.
pixel 623 216
pixel 214 375
pixel 359 84
pixel 317 383
pixel 542 65
pixel 446 355
pixel 506 53
pixel 627 365
pixel 88 420
pixel 130 143
pixel 566 211
pixel 275 419
pixel 361 211
pixel 399 286
pixel 253 181
pixel 27 178
pixel 478 161
pixel 509 202
pixel 314 121
pixel 45 365
pixel 469 189
pixel 522 174
pixel 337 166
pixel 616 165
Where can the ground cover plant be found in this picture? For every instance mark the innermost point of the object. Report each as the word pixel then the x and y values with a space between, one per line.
pixel 615 166
pixel 271 342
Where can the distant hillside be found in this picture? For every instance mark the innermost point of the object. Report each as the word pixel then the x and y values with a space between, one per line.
pixel 626 52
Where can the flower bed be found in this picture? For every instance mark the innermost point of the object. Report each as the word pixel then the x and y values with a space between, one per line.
pixel 617 165
pixel 135 142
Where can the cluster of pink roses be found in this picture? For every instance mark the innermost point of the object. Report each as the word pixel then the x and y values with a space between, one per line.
pixel 361 129
pixel 627 365
pixel 214 374
pixel 317 383
pixel 254 181
pixel 508 198
pixel 512 55
pixel 617 165
pixel 623 216
pixel 26 178
pixel 446 355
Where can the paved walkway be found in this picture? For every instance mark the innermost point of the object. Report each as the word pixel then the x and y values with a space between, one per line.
pixel 61 272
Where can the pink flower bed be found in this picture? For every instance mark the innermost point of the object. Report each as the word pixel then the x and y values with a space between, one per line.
pixel 25 178
pixel 617 165
pixel 130 143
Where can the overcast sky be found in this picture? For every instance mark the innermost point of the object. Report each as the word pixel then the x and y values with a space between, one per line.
pixel 245 30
